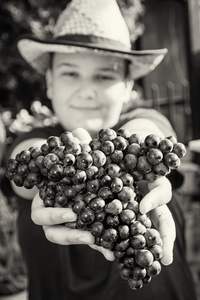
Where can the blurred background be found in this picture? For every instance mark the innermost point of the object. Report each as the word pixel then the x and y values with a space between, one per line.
pixel 173 88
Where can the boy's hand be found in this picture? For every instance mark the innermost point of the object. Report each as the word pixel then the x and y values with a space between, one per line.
pixel 157 195
pixel 51 218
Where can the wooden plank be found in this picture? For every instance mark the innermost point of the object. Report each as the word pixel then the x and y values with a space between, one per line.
pixel 194 23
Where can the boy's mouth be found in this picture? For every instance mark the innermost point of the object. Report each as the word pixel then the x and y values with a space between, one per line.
pixel 85 108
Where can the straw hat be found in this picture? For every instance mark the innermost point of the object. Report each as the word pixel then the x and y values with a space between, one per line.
pixel 90 25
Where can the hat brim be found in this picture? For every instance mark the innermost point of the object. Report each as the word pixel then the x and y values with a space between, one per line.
pixel 36 53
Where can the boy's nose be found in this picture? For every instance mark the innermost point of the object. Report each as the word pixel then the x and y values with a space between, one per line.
pixel 87 90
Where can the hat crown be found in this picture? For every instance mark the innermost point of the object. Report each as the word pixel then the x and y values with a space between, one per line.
pixel 99 18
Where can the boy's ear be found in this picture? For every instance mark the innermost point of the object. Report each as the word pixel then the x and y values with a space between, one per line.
pixel 128 88
pixel 49 84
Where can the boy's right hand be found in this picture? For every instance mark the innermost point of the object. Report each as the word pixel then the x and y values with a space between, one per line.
pixel 52 219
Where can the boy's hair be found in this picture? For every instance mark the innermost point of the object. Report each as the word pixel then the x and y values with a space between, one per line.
pixel 126 61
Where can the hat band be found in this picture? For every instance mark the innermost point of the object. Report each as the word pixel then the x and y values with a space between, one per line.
pixel 92 41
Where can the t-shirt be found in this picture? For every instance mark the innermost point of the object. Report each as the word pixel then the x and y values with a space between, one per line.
pixel 78 272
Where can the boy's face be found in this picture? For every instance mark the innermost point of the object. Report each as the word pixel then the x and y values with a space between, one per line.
pixel 87 90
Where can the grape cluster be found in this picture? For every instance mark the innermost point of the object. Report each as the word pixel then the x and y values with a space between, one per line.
pixel 99 181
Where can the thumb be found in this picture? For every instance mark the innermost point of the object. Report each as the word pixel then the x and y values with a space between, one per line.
pixel 82 135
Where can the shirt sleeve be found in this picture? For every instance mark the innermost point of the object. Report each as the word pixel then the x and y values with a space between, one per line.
pixel 150 114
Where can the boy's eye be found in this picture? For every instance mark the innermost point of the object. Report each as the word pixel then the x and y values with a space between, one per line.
pixel 70 74
pixel 104 77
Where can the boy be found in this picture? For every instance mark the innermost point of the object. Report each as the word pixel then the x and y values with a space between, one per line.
pixel 90 71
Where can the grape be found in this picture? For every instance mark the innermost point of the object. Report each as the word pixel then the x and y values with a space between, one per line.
pixel 136 138
pixel 87 215
pixel 154 156
pixel 138 241
pixel 25 156
pixel 12 165
pixel 139 273
pixel 137 228
pixel 129 262
pixel 152 141
pixel 66 137
pixel 79 177
pixel 134 148
pixel 100 182
pixel 179 149
pixel 114 207
pixel 84 160
pixel 125 273
pixel 126 194
pixel 105 193
pixel 97 204
pixel 152 236
pixel 97 228
pixel 127 179
pixel 92 172
pixel 172 160
pixel 113 170
pixel 18 179
pixel 154 269
pixel 61 199
pixel 143 165
pixel 69 159
pixel 59 151
pixel 95 144
pixel 144 258
pixel 116 156
pixel 124 231
pixel 45 149
pixel 127 216
pixel 122 245
pixel 124 133
pixel 72 148
pixel 106 134
pixel 78 205
pixel 120 143
pixel 107 147
pixel 56 172
pixel 54 142
pixel 110 235
pixel 116 185
pixel 99 158
pixel 50 159
pixel 166 145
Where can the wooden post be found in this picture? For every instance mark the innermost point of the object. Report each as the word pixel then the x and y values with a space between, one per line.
pixel 194 25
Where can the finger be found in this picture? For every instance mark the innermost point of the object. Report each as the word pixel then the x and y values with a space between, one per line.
pixel 63 235
pixel 82 135
pixel 160 193
pixel 108 254
pixel 163 221
pixel 42 215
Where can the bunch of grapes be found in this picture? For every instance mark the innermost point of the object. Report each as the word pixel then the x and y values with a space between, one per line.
pixel 99 182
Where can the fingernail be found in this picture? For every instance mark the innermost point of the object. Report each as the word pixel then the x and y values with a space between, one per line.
pixel 69 216
pixel 167 260
pixel 86 240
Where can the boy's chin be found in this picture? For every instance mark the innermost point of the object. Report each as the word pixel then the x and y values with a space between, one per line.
pixel 94 125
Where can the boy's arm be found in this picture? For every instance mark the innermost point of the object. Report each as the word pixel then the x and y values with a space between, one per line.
pixel 25 145
pixel 144 127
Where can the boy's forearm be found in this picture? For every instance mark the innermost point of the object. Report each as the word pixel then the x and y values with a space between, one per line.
pixel 143 127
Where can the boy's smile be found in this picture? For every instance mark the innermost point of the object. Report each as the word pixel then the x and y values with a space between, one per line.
pixel 87 90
